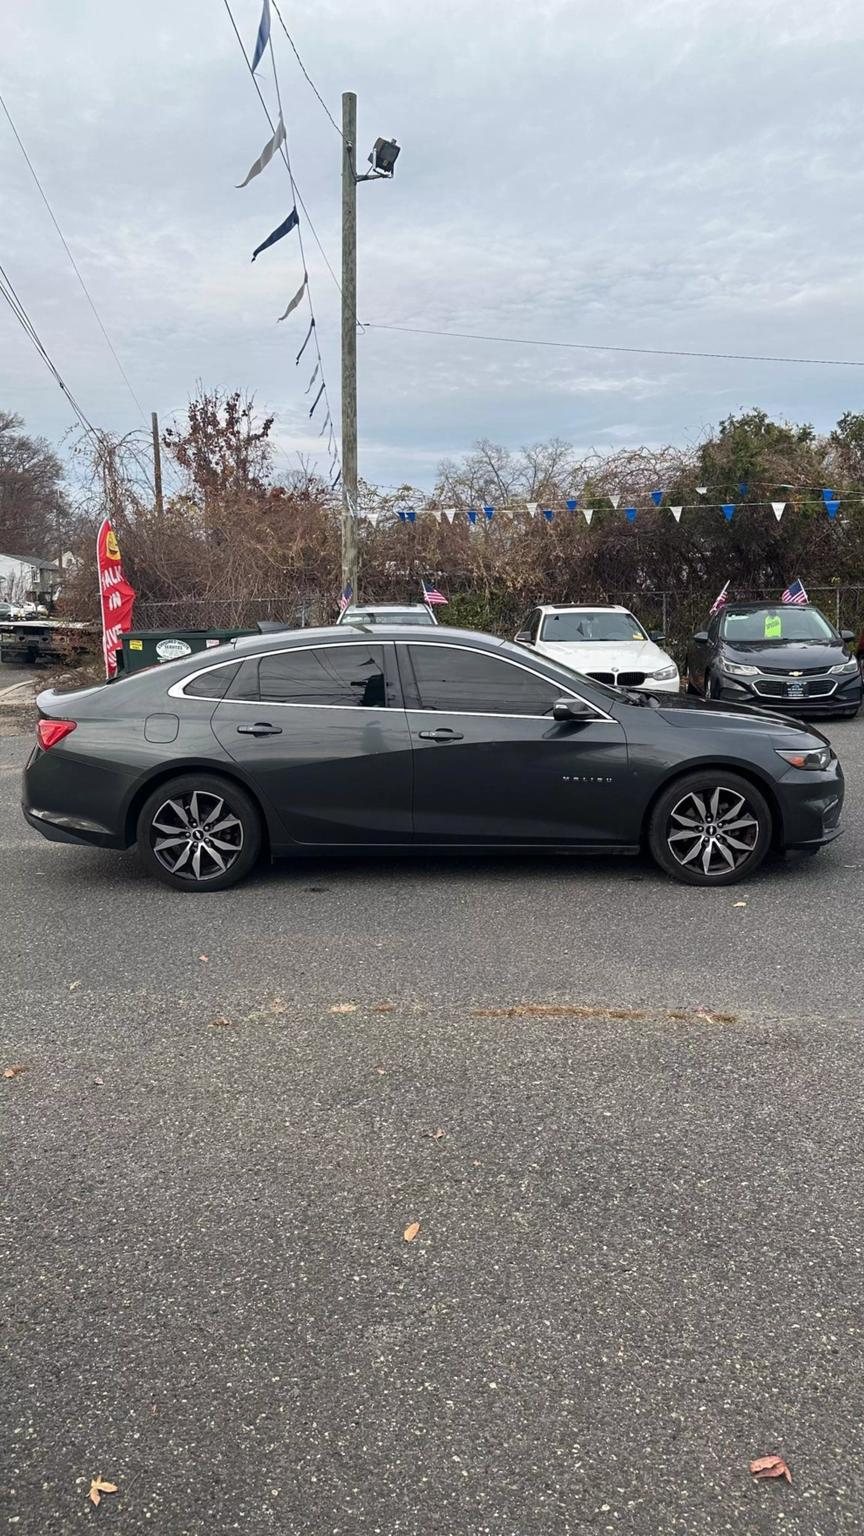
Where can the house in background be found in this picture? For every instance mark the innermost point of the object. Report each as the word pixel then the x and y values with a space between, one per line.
pixel 28 579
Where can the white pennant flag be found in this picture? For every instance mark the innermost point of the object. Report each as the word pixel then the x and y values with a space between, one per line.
pixel 676 513
pixel 373 518
pixel 531 508
pixel 701 490
pixel 778 508
pixel 265 156
pixel 588 513
pixel 296 299
pixel 615 500
pixel 436 513
pixel 449 513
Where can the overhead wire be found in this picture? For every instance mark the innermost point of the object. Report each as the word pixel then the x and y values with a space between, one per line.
pixel 285 155
pixel 586 346
pixel 305 71
pixel 76 269
pixel 18 309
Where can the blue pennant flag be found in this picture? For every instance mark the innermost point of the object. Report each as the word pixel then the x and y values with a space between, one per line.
pixel 548 514
pixel 832 507
pixel 472 517
pixel 729 510
pixel 489 513
pixel 290 223
pixel 263 37
pixel 572 504
pixel 827 495
pixel 631 514
pixel 411 516
pixel 402 516
pixel 656 497
pixel 743 487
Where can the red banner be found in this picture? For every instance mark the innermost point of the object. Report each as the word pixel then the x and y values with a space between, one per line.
pixel 115 594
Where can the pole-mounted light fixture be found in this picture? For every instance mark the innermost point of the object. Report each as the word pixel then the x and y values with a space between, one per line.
pixel 385 153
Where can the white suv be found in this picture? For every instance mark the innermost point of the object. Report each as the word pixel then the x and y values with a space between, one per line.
pixel 606 643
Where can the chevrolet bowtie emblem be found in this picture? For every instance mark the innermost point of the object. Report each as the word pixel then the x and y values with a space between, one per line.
pixel 796 674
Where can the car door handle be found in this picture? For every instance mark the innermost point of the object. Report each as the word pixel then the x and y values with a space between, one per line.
pixel 443 733
pixel 260 728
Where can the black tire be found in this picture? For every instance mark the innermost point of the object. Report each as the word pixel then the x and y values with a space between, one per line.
pixel 700 857
pixel 222 806
pixel 712 686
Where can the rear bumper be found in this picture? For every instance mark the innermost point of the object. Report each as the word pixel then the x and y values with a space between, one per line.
pixel 64 829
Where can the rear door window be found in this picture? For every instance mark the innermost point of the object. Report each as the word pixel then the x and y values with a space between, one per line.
pixel 341 676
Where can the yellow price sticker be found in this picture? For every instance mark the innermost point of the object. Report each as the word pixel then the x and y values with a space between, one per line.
pixel 136 645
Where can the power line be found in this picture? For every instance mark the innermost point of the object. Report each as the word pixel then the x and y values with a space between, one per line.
pixel 305 71
pixel 75 266
pixel 19 311
pixel 586 346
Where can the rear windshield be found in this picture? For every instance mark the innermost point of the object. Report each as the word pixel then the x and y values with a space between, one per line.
pixel 408 616
pixel 774 625
pixel 599 625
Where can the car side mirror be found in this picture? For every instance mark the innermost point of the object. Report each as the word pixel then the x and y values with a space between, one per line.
pixel 572 709
pixel 847 635
pixel 657 635
pixel 524 637
pixel 701 637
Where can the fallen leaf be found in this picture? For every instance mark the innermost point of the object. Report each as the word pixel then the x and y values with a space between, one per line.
pixel 13 1071
pixel 437 1135
pixel 411 1232
pixel 220 1023
pixel 203 959
pixel 344 1008
pixel 74 985
pixel 384 1008
pixel 100 1081
pixel 739 903
pixel 770 1466
pixel 98 1487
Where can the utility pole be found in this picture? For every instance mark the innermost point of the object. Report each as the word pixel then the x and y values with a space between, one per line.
pixel 157 463
pixel 349 342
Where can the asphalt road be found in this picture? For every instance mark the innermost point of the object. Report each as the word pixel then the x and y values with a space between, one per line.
pixel 639 1257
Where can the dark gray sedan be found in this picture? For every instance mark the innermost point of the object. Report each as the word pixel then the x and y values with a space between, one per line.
pixel 323 741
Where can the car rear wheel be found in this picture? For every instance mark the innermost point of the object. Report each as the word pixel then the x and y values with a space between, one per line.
pixel 199 833
pixel 710 828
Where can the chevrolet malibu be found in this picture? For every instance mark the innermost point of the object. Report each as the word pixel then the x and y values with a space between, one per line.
pixel 325 741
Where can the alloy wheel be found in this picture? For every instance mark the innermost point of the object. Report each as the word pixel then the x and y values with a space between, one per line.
pixel 714 830
pixel 196 836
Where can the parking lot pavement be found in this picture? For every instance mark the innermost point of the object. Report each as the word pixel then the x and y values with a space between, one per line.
pixel 638 1263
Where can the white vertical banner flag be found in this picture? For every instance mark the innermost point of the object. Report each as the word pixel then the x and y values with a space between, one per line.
pixel 588 513
pixel 265 156
pixel 615 500
pixel 531 508
pixel 449 513
pixel 778 508
pixel 701 490
pixel 676 513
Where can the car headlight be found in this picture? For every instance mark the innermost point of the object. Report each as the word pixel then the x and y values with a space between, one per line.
pixel 737 668
pixel 847 667
pixel 819 758
pixel 665 675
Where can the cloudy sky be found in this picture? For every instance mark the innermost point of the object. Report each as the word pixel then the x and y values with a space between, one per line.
pixel 647 173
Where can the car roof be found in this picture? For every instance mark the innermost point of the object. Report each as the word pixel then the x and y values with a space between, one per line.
pixel 582 608
pixel 335 634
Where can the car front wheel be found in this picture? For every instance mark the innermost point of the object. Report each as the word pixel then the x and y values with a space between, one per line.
pixel 710 828
pixel 199 833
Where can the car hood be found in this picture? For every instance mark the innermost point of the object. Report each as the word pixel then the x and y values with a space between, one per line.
pixel 790 655
pixel 679 710
pixel 605 655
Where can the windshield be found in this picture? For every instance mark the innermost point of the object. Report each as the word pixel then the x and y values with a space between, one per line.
pixel 767 626
pixel 405 616
pixel 590 625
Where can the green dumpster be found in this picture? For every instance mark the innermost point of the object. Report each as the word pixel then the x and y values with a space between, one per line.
pixel 150 647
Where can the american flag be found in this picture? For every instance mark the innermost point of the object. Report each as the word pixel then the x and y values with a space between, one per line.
pixel 795 593
pixel 720 600
pixel 431 594
pixel 345 599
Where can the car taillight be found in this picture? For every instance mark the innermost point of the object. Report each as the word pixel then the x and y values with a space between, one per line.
pixel 52 731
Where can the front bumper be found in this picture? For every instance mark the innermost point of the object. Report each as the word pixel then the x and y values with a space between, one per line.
pixel 811 805
pixel 845 696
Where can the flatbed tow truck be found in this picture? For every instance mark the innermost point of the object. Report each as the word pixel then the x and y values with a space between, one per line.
pixel 34 640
